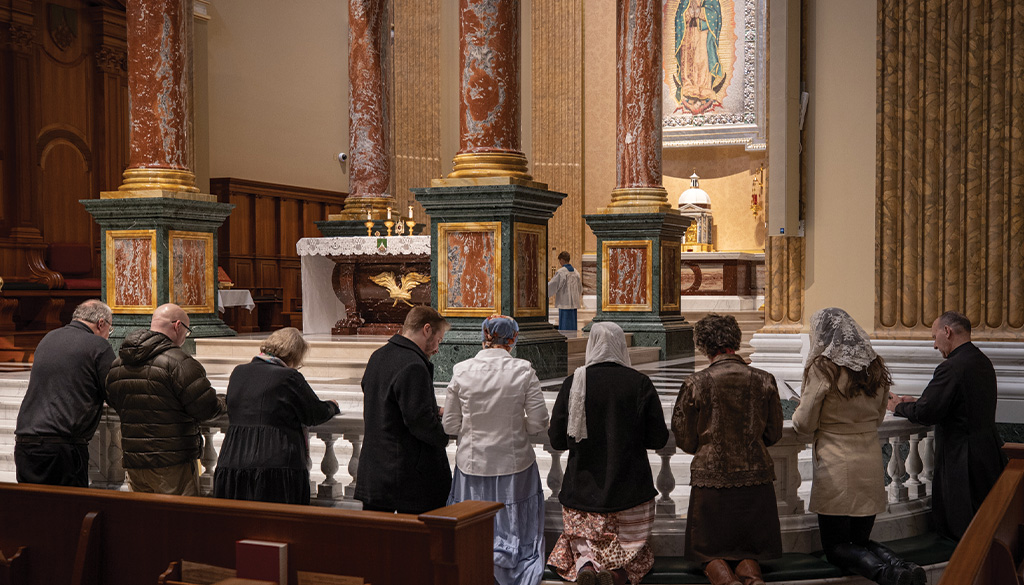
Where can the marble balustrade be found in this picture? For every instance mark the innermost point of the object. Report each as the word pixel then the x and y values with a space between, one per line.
pixel 908 491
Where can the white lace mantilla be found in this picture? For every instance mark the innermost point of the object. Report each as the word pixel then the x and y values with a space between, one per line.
pixel 362 246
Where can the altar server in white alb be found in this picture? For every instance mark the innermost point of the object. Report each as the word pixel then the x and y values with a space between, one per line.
pixel 567 288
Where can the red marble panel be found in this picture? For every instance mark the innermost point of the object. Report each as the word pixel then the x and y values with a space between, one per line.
pixel 471 267
pixel 627 276
pixel 702 277
pixel 528 251
pixel 188 271
pixel 670 276
pixel 133 272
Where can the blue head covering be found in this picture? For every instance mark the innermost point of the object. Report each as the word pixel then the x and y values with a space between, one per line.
pixel 499 330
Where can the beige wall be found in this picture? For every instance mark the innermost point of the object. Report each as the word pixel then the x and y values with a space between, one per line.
pixel 598 108
pixel 278 91
pixel 840 144
pixel 726 173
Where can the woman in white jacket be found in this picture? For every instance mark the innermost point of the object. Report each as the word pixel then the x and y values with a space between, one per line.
pixel 494 404
pixel 845 390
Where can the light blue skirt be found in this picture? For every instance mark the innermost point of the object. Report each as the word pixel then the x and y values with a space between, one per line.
pixel 518 527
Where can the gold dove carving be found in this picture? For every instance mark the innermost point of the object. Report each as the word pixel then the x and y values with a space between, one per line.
pixel 400 292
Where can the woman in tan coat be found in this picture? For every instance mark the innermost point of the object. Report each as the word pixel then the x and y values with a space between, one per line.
pixel 845 390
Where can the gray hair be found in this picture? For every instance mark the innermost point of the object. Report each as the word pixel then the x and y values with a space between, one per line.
pixel 92 310
pixel 286 344
pixel 958 322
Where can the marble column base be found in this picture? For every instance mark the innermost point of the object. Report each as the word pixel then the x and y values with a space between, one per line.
pixel 517 207
pixel 673 334
pixel 660 324
pixel 544 347
pixel 191 213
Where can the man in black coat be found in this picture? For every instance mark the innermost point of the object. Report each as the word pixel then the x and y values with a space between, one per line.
pixel 64 400
pixel 960 401
pixel 403 466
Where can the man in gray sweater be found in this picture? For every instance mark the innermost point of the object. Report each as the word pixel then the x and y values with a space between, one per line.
pixel 62 407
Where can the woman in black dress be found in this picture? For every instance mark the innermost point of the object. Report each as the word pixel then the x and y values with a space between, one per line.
pixel 264 455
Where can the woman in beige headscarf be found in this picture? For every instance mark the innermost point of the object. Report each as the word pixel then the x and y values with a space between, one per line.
pixel 842 402
pixel 607 415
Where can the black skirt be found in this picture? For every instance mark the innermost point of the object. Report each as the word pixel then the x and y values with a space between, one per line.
pixel 262 464
pixel 733 523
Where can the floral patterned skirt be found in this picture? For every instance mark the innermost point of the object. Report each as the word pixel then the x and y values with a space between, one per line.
pixel 616 540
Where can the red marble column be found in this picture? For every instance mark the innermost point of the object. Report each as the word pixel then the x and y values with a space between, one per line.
pixel 369 118
pixel 638 109
pixel 489 103
pixel 161 155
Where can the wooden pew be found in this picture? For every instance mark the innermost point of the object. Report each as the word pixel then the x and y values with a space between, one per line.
pixel 992 549
pixel 88 536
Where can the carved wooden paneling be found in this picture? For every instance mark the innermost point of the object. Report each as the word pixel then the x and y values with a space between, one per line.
pixel 63 125
pixel 257 242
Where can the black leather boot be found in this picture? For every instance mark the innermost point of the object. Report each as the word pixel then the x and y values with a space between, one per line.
pixel 862 561
pixel 917 574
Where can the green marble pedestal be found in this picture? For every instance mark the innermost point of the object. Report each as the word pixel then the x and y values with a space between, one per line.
pixel 489 255
pixel 638 278
pixel 150 228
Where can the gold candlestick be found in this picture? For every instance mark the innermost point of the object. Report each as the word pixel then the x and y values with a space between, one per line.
pixel 411 223
pixel 388 223
pixel 369 226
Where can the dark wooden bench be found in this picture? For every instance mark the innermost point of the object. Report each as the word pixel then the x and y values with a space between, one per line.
pixel 992 549
pixel 87 536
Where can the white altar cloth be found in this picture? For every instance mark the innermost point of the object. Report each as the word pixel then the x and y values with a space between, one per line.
pixel 235 298
pixel 321 308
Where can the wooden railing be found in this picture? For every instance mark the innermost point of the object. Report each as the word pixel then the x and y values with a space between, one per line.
pixel 992 549
pixel 88 536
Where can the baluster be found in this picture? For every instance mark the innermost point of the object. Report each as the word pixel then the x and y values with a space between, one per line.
pixel 554 480
pixel 915 488
pixel 666 482
pixel 897 491
pixel 928 459
pixel 329 489
pixel 97 457
pixel 114 470
pixel 353 462
pixel 785 455
pixel 208 459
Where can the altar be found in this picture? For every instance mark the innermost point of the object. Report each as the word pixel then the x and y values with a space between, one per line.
pixel 362 284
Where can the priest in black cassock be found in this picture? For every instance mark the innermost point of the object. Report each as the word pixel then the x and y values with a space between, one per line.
pixel 960 401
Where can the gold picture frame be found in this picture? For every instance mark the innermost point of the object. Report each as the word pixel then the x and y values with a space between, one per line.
pixel 521 228
pixel 175 236
pixel 444 232
pixel 112 237
pixel 670 276
pixel 606 247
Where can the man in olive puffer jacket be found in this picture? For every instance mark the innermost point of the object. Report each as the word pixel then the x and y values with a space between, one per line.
pixel 161 395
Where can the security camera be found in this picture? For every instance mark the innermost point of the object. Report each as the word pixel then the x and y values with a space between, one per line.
pixel 342 157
